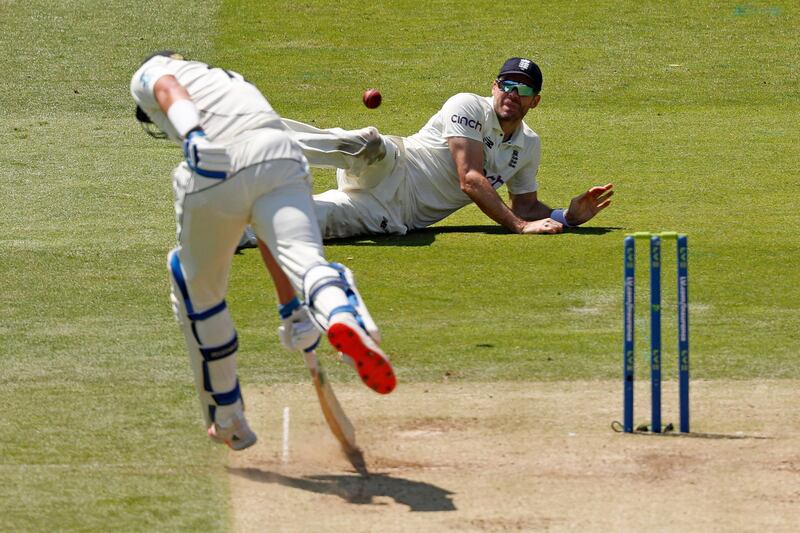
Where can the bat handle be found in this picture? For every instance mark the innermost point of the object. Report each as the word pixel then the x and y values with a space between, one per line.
pixel 311 361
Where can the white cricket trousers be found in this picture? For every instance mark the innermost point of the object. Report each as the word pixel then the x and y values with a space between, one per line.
pixel 274 197
pixel 369 198
pixel 271 194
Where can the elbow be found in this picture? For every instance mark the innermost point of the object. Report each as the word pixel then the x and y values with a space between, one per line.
pixel 469 185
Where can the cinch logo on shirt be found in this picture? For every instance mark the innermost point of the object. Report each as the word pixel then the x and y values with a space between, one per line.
pixel 494 181
pixel 466 121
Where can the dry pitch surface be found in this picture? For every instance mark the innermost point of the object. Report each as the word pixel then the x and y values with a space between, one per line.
pixel 522 456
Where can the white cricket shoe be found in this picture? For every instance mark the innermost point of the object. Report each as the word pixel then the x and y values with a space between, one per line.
pixel 234 432
pixel 348 337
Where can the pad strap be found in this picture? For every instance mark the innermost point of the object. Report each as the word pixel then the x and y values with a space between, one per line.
pixel 228 398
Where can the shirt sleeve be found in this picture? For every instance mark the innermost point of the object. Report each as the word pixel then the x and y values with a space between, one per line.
pixel 463 116
pixel 143 82
pixel 524 180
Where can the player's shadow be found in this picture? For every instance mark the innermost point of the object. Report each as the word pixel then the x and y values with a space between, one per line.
pixel 360 490
pixel 426 236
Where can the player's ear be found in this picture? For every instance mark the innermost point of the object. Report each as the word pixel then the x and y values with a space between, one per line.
pixel 535 100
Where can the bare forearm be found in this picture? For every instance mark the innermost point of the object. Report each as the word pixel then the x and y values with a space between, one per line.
pixel 533 211
pixel 468 158
pixel 283 287
pixel 485 197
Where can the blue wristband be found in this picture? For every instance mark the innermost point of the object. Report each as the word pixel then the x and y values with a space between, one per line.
pixel 560 215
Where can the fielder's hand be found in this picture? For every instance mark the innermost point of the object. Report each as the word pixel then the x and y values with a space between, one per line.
pixel 298 332
pixel 585 206
pixel 205 157
pixel 546 225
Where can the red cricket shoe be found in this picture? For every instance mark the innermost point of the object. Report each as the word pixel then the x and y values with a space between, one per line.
pixel 348 337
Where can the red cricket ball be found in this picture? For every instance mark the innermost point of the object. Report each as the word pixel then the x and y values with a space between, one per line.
pixel 372 98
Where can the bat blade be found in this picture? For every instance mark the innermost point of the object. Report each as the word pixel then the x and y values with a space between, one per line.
pixel 337 420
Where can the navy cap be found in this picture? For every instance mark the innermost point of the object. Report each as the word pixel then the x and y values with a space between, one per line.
pixel 526 67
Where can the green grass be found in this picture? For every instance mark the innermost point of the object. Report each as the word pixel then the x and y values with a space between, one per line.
pixel 97 401
pixel 690 110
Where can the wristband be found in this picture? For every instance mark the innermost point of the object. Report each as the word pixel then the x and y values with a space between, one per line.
pixel 184 116
pixel 560 215
pixel 285 310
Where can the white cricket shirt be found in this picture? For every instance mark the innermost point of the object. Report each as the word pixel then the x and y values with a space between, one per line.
pixel 431 172
pixel 228 105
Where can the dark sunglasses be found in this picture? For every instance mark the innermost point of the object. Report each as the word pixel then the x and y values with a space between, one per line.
pixel 509 85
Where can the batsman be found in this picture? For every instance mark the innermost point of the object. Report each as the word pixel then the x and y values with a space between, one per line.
pixel 240 168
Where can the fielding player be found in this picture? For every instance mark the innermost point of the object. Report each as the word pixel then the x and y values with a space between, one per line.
pixel 466 151
pixel 241 167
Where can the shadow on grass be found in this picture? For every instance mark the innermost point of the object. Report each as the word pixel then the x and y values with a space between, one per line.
pixel 426 236
pixel 360 490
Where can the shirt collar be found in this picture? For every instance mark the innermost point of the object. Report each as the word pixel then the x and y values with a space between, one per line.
pixel 518 137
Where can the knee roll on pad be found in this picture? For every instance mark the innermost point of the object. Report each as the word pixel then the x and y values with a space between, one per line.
pixel 212 344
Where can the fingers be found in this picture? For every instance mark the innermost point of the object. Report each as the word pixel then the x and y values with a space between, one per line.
pixel 604 199
pixel 599 198
pixel 603 205
pixel 601 188
pixel 596 192
pixel 209 159
pixel 211 156
pixel 550 225
pixel 553 228
pixel 546 226
pixel 599 194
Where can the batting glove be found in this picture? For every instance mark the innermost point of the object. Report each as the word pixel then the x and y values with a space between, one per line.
pixel 297 331
pixel 205 157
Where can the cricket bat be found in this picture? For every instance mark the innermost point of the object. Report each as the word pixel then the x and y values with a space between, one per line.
pixel 340 425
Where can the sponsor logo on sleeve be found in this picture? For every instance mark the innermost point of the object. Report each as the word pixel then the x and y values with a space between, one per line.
pixel 466 121
pixel 145 79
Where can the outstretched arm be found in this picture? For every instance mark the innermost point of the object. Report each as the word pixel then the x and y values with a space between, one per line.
pixel 468 157
pixel 581 209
